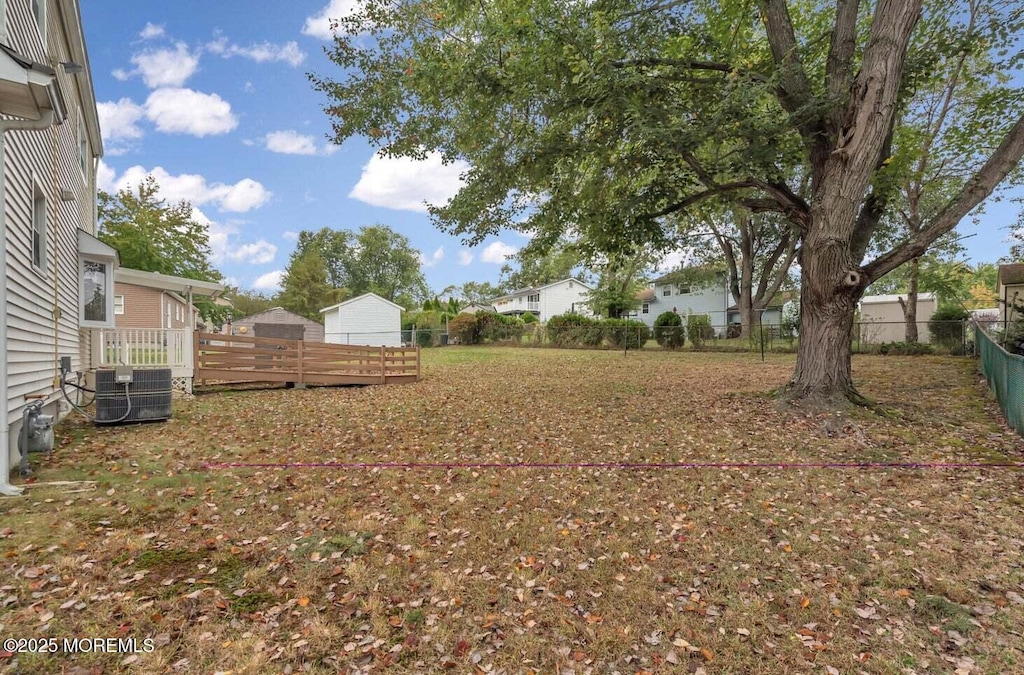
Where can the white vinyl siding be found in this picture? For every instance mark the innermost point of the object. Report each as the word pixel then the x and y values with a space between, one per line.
pixel 366 320
pixel 44 314
pixel 83 149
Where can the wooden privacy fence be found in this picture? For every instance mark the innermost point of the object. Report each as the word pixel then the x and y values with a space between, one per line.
pixel 253 359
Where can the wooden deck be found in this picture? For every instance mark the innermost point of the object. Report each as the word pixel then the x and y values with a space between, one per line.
pixel 239 358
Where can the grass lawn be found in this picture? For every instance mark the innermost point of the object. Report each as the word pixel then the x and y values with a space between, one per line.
pixel 602 570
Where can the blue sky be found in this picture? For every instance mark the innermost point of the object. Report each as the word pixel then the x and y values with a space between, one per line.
pixel 212 98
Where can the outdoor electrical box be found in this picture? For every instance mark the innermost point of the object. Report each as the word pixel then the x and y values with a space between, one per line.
pixel 123 375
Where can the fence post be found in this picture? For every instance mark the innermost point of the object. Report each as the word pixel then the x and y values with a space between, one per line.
pixel 195 357
pixel 383 366
pixel 302 381
pixel 417 363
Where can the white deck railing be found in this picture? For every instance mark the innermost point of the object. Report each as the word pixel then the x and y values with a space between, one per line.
pixel 143 348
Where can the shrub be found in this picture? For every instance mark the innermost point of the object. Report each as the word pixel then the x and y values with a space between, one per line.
pixel 734 331
pixel 529 318
pixel 668 330
pixel 946 326
pixel 904 349
pixel 574 330
pixel 625 333
pixel 699 330
pixel 497 327
pixel 465 329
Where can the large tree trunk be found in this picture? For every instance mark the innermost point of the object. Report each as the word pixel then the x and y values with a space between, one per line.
pixel 910 306
pixel 828 300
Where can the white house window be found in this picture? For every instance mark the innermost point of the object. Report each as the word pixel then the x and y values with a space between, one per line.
pixel 96 281
pixel 533 298
pixel 39 12
pixel 118 304
pixel 646 308
pixel 83 148
pixel 169 324
pixel 683 290
pixel 38 229
pixel 667 291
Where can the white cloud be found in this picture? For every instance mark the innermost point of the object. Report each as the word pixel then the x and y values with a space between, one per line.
pixel 120 74
pixel 165 67
pixel 498 253
pixel 151 31
pixel 271 281
pixel 465 257
pixel 185 111
pixel 119 123
pixel 258 253
pixel 105 177
pixel 249 87
pixel 319 25
pixel 263 52
pixel 290 143
pixel 288 235
pixel 245 195
pixel 408 185
pixel 432 260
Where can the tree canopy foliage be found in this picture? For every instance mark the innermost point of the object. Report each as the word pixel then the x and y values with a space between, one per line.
pixel 601 118
pixel 154 236
pixel 328 266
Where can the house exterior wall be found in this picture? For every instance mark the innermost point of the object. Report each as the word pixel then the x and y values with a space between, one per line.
pixel 313 331
pixel 366 320
pixel 43 305
pixel 712 300
pixel 143 307
pixel 891 327
pixel 564 297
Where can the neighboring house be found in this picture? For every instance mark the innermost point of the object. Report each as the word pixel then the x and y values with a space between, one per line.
pixel 770 316
pixel 881 318
pixel 561 297
pixel 1011 292
pixel 152 300
pixel 307 329
pixel 474 307
pixel 58 278
pixel 365 320
pixel 670 293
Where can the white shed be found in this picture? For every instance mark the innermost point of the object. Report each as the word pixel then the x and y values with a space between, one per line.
pixel 365 320
pixel 881 318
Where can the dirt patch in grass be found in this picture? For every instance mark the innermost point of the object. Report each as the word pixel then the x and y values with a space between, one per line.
pixel 578 567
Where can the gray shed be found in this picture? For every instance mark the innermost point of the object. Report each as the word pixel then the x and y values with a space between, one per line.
pixel 311 330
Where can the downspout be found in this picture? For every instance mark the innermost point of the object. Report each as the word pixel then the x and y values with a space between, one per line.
pixel 44 122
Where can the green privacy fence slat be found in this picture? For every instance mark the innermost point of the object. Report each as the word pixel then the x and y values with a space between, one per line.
pixel 1005 375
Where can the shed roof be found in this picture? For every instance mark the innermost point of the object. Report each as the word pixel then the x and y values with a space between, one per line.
pixel 1011 274
pixel 876 299
pixel 360 297
pixel 298 317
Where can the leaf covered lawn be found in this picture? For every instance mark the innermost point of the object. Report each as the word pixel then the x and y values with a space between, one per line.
pixel 571 570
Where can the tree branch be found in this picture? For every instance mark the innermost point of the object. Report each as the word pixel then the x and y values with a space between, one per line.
pixel 686 64
pixel 978 188
pixel 839 67
pixel 796 89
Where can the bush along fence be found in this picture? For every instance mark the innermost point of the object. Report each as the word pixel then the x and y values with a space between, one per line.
pixel 690 332
pixel 1005 375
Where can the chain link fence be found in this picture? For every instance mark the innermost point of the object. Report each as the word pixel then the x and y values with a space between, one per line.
pixel 934 337
pixel 1005 375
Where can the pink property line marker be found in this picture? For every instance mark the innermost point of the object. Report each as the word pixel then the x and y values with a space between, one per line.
pixel 613 465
